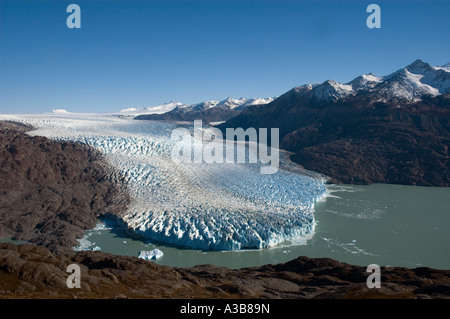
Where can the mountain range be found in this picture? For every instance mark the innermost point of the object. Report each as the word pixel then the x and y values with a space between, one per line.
pixel 208 111
pixel 374 129
pixel 409 84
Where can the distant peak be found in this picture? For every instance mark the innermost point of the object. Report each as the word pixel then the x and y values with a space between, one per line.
pixel 330 82
pixel 418 65
pixel 331 90
pixel 60 111
pixel 446 66
pixel 418 61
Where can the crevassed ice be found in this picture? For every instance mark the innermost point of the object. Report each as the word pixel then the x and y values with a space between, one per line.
pixel 201 206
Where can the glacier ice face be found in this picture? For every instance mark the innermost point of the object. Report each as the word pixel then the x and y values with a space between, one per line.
pixel 201 206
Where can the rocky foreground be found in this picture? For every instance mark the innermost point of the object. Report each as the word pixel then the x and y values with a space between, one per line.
pixel 28 271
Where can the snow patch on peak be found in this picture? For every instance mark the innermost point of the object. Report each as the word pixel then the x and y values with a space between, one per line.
pixel 258 101
pixel 305 88
pixel 417 81
pixel 365 82
pixel 372 78
pixel 445 67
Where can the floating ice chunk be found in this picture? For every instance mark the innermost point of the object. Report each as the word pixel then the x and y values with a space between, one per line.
pixel 84 244
pixel 148 255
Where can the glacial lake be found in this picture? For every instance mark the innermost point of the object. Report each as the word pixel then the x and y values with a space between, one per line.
pixel 388 225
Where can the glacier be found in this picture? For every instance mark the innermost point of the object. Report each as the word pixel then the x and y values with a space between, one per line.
pixel 199 206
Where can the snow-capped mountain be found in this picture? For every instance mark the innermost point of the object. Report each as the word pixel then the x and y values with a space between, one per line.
pixel 227 104
pixel 205 105
pixel 365 81
pixel 415 81
pixel 158 109
pixel 331 91
pixel 410 83
pixel 373 129
pixel 209 111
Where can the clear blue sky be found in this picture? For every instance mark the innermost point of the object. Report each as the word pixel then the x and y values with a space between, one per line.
pixel 140 53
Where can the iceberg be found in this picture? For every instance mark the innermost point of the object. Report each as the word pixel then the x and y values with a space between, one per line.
pixel 148 255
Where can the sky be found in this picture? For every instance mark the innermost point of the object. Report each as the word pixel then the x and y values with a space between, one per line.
pixel 138 53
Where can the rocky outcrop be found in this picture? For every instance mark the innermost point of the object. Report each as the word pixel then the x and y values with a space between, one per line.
pixel 51 192
pixel 28 271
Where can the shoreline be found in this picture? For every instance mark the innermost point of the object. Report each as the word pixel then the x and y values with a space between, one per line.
pixel 34 272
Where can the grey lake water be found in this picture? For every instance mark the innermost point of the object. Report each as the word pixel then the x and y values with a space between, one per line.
pixel 388 225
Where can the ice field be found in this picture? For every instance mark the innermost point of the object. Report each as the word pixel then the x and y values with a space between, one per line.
pixel 196 205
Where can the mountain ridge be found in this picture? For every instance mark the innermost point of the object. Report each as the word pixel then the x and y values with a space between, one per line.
pixel 409 84
pixel 208 111
pixel 391 129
